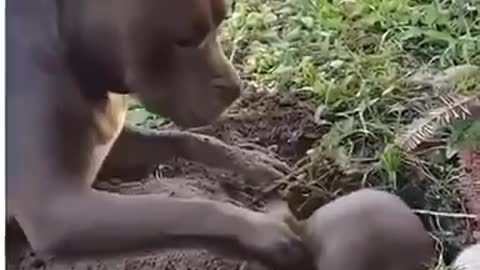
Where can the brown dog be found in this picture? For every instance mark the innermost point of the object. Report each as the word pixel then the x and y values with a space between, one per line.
pixel 367 230
pixel 68 63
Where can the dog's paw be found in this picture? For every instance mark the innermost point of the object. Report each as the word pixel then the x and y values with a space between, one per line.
pixel 257 165
pixel 275 244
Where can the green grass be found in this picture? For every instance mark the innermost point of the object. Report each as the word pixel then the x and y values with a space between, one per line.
pixel 357 57
pixel 305 43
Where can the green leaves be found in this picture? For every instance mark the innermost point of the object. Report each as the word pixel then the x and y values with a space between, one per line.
pixel 391 159
pixel 138 116
pixel 464 133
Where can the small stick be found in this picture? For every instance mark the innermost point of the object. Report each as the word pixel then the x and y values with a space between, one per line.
pixel 445 214
pixel 279 183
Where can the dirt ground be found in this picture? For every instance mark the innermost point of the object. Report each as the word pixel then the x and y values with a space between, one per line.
pixel 282 124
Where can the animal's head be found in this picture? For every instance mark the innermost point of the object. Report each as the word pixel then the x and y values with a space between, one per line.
pixel 164 52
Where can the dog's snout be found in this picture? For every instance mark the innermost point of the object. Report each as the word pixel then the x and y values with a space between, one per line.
pixel 231 91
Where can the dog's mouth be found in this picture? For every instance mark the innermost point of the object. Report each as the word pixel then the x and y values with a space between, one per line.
pixel 185 116
pixel 193 111
pixel 228 92
pixel 192 121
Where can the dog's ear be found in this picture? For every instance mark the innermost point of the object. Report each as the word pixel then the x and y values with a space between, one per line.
pixel 190 21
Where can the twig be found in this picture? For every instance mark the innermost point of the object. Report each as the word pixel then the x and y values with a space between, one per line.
pixel 444 214
pixel 280 182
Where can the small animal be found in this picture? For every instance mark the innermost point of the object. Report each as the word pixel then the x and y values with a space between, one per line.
pixel 468 258
pixel 70 67
pixel 367 229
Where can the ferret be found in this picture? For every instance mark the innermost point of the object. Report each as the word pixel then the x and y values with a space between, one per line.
pixel 366 230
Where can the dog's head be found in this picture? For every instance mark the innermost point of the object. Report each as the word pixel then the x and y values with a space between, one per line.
pixel 164 52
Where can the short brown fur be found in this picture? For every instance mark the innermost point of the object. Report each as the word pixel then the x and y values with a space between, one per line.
pixel 70 65
pixel 368 230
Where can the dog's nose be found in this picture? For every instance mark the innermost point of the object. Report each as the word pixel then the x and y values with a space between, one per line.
pixel 231 91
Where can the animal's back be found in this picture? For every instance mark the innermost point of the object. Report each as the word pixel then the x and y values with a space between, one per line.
pixel 367 230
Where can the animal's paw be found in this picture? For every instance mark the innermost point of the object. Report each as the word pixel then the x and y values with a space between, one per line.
pixel 257 165
pixel 275 244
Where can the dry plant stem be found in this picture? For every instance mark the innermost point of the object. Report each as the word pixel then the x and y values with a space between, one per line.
pixel 444 214
pixel 280 182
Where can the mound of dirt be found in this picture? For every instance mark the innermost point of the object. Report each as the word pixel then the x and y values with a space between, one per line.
pixel 282 124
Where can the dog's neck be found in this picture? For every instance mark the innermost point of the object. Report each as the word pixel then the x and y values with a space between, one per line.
pixel 92 54
pixel 94 82
pixel 95 75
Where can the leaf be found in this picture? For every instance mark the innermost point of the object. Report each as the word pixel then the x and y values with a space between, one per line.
pixel 455 107
pixel 337 133
pixel 293 34
pixel 307 22
pixel 347 126
pixel 331 140
pixel 465 133
pixel 451 151
pixel 391 160
pixel 336 63
pixel 341 158
pixel 471 137
pixel 438 35
pixel 317 117
pixel 412 32
pixel 433 35
pixel 138 116
pixel 456 130
pixel 462 72
pixel 133 104
pixel 283 69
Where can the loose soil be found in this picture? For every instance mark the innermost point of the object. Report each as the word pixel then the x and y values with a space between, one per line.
pixel 282 124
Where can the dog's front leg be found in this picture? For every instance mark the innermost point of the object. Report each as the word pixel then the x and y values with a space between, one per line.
pixel 136 153
pixel 75 224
